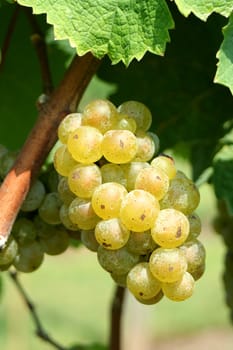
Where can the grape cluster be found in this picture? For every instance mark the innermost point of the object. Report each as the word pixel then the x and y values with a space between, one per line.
pixel 133 207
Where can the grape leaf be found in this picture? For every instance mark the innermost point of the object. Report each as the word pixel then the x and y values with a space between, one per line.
pixel 224 74
pixel 122 29
pixel 203 9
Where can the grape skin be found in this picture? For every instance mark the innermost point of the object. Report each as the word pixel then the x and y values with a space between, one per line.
pixel 181 289
pixel 111 233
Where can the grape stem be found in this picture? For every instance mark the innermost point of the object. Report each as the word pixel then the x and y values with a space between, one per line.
pixel 116 316
pixel 41 139
pixel 40 331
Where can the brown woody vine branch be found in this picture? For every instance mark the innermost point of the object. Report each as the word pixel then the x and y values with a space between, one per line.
pixel 116 315
pixel 41 139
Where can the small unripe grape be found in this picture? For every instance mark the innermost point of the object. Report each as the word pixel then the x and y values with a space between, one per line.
pixel 9 252
pixel 89 241
pixel 24 230
pixel 55 243
pixel 179 290
pixel 49 210
pixel 63 161
pixel 34 197
pixel 139 112
pixel 111 233
pixel 70 123
pixel 30 257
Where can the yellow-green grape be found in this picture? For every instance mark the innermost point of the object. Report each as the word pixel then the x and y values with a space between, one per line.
pixel 88 240
pixel 57 242
pixel 49 210
pixel 113 173
pixel 9 252
pixel 131 171
pixel 166 163
pixel 119 146
pixel 179 290
pixel 111 233
pixel 29 258
pixel 82 214
pixel 195 226
pixel 63 161
pixel 182 195
pixel 171 228
pixel 155 139
pixel 141 243
pixel 100 114
pixel 70 123
pixel 120 280
pixel 65 219
pixel 139 210
pixel 168 265
pixel 141 283
pixel 83 180
pixel 118 261
pixel 154 300
pixel 64 191
pixel 24 230
pixel 139 112
pixel 107 198
pixel 43 229
pixel 146 147
pixel 195 255
pixel 84 144
pixel 34 197
pixel 123 122
pixel 153 180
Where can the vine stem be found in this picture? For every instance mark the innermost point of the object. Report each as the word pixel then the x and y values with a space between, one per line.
pixel 42 138
pixel 116 315
pixel 40 331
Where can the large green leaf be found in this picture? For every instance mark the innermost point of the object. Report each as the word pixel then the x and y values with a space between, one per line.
pixel 122 29
pixel 224 74
pixel 204 8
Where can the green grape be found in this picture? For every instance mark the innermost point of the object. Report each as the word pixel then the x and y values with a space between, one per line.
pixel 111 233
pixel 182 195
pixel 181 289
pixel 63 161
pixel 42 228
pixel 24 231
pixel 55 243
pixel 65 219
pixel 70 123
pixel 146 147
pixel 141 243
pixel 125 123
pixel 141 283
pixel 107 198
pixel 50 178
pixel 64 191
pixel 84 144
pixel 139 112
pixel 89 241
pixel 155 139
pixel 7 160
pixel 82 214
pixel 120 280
pixel 49 210
pixel 30 257
pixel 195 226
pixel 83 180
pixel 118 261
pixel 168 265
pixel 119 146
pixel 100 114
pixel 131 171
pixel 166 163
pixel 153 180
pixel 154 300
pixel 113 173
pixel 8 252
pixel 171 228
pixel 139 210
pixel 34 197
pixel 195 255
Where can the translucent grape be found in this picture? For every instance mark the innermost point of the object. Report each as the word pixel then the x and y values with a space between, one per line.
pixel 146 147
pixel 131 171
pixel 154 300
pixel 153 180
pixel 139 112
pixel 171 228
pixel 65 218
pixel 139 210
pixel 111 234
pixel 125 123
pixel 34 197
pixel 84 144
pixel 113 173
pixel 195 255
pixel 141 243
pixel 30 257
pixel 63 161
pixel 100 114
pixel 49 210
pixel 166 163
pixel 179 290
pixel 155 139
pixel 24 231
pixel 119 146
pixel 168 265
pixel 83 180
pixel 195 226
pixel 55 243
pixel 89 241
pixel 64 191
pixel 118 261
pixel 8 253
pixel 82 214
pixel 141 283
pixel 70 123
pixel 107 198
